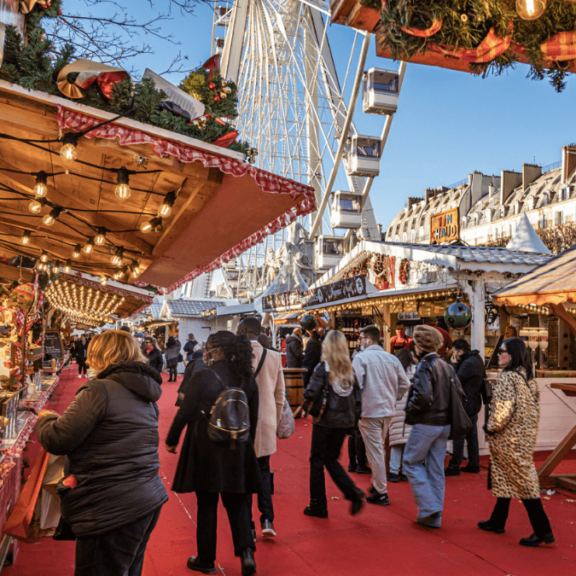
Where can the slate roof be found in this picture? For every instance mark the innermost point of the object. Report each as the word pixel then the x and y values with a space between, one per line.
pixel 155 310
pixel 179 308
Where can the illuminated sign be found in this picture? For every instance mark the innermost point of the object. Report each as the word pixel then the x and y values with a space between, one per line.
pixel 444 227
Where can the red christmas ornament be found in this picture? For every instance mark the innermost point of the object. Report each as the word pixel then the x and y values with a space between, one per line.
pixel 211 85
pixel 216 98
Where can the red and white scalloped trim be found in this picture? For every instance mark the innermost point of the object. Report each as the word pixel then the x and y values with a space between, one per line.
pixel 15 451
pixel 270 183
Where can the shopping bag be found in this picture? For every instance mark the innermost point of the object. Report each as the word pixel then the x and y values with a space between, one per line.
pixel 37 507
pixel 286 424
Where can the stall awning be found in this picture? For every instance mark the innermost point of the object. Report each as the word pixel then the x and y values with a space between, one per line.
pixel 236 310
pixel 552 283
pixel 223 205
pixel 287 317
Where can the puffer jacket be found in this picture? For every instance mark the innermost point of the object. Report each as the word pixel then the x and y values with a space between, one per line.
pixel 110 437
pixel 294 351
pixel 429 398
pixel 399 430
pixel 470 371
pixel 340 411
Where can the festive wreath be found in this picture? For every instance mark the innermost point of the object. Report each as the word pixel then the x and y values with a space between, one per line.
pixel 404 273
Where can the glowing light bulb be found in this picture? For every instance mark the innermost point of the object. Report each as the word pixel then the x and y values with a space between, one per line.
pixel 530 9
pixel 89 245
pixel 100 237
pixel 117 258
pixel 68 152
pixel 68 267
pixel 103 280
pixel 166 208
pixel 36 206
pixel 25 238
pixel 122 190
pixel 52 216
pixel 41 189
pixel 56 268
pixel 151 225
pixel 77 252
pixel 44 256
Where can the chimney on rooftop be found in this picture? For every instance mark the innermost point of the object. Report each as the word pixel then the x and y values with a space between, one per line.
pixel 429 194
pixel 491 190
pixel 529 173
pixel 509 181
pixel 568 161
pixel 412 200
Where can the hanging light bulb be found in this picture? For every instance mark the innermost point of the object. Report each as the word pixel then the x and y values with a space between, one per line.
pixel 166 208
pixel 103 280
pixel 68 267
pixel 68 151
pixel 25 238
pixel 118 275
pixel 151 225
pixel 56 268
pixel 40 188
pixel 44 256
pixel 36 205
pixel 52 216
pixel 76 254
pixel 89 246
pixel 100 237
pixel 530 9
pixel 122 190
pixel 117 257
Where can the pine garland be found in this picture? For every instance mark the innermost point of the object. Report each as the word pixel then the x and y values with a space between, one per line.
pixel 33 66
pixel 465 23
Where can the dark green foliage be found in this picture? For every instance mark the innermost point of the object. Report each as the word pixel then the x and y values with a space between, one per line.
pixel 35 66
pixel 465 23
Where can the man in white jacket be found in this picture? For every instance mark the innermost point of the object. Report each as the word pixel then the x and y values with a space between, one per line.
pixel 382 381
pixel 270 380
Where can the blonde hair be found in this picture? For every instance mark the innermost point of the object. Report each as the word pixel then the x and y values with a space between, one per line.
pixel 336 353
pixel 113 347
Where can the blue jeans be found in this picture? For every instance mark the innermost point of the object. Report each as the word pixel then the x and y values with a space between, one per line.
pixel 423 463
pixel 396 453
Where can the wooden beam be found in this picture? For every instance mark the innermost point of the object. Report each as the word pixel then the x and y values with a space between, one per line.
pixel 15 274
pixel 558 455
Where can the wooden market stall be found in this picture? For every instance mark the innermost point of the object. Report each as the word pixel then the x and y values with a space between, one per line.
pixel 553 286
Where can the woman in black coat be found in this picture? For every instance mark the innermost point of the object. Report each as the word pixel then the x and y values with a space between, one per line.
pixel 153 354
pixel 112 495
pixel 172 352
pixel 213 469
pixel 338 416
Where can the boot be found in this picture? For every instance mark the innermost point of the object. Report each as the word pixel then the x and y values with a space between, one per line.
pixel 248 563
pixel 315 509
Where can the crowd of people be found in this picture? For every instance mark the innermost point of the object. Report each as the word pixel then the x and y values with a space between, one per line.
pixel 231 401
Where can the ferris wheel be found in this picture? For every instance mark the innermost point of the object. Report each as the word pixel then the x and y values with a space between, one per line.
pixel 292 110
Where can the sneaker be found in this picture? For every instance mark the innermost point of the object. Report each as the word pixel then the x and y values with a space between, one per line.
pixel 380 499
pixel 79 376
pixel 470 469
pixel 194 563
pixel 268 529
pixel 363 470
pixel 392 477
pixel 452 472
pixel 430 521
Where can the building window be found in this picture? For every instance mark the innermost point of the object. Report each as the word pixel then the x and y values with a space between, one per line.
pixel 545 199
pixel 404 237
pixel 559 218
pixel 543 221
pixel 566 193
pixel 413 236
pixel 531 204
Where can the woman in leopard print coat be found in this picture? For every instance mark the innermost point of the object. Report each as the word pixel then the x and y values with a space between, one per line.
pixel 512 429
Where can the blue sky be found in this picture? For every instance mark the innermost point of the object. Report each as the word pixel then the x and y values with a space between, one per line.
pixel 448 123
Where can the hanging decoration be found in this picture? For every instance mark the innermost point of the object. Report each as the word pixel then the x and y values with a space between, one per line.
pixel 481 36
pixel 404 273
pixel 458 316
pixel 76 78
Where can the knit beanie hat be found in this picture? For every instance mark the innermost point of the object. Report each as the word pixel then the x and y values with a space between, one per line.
pixel 428 338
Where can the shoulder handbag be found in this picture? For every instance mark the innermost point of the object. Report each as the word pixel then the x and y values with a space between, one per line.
pixel 318 406
pixel 460 423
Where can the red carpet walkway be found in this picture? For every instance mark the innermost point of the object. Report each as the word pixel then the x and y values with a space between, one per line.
pixel 378 541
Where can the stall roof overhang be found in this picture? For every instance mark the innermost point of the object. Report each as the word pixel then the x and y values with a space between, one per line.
pixel 554 282
pixel 236 310
pixel 456 258
pixel 382 296
pixel 184 308
pixel 224 207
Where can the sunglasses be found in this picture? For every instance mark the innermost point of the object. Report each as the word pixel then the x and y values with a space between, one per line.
pixel 501 351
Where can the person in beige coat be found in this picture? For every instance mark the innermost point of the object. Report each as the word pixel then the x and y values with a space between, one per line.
pixel 271 389
pixel 512 429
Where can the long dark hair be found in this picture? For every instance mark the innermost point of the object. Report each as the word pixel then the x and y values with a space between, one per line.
pixel 237 352
pixel 171 342
pixel 520 358
pixel 405 357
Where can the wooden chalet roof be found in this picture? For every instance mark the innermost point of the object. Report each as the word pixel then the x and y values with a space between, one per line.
pixel 224 205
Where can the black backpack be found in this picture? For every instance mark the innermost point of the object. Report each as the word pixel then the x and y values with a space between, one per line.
pixel 229 419
pixel 460 423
